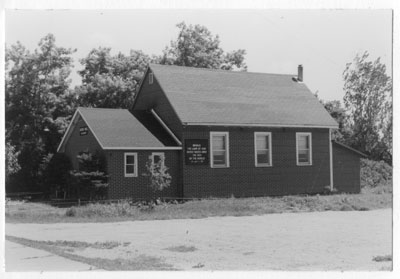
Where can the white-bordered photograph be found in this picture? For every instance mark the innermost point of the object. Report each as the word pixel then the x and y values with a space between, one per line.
pixel 198 140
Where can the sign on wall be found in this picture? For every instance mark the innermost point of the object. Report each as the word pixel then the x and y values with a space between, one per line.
pixel 83 131
pixel 196 151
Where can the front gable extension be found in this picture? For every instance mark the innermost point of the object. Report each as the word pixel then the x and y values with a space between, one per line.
pixel 114 129
pixel 114 133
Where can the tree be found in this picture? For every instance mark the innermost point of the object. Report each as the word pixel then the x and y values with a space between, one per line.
pixel 368 102
pixel 110 81
pixel 37 102
pixel 387 140
pixel 197 47
pixel 12 165
pixel 337 112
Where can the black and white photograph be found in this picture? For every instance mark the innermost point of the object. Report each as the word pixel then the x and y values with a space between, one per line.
pixel 198 140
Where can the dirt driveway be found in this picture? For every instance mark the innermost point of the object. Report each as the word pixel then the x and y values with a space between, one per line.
pixel 290 241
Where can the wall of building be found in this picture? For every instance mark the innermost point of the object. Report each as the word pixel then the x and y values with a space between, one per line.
pixel 346 170
pixel 242 178
pixel 78 143
pixel 121 187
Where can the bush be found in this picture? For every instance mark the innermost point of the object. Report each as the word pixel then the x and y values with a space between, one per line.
pixel 346 207
pixel 56 172
pixel 71 212
pixel 158 175
pixel 91 180
pixel 375 173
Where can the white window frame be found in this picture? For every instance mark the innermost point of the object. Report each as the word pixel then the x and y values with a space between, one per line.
pixel 135 174
pixel 226 134
pixel 269 135
pixel 162 156
pixel 297 149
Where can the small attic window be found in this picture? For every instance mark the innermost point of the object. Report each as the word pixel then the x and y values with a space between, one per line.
pixel 151 78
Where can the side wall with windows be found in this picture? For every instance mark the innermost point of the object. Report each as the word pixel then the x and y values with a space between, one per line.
pixel 122 187
pixel 242 178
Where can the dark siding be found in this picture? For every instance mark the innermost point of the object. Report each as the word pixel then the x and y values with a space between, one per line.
pixel 151 96
pixel 77 143
pixel 242 178
pixel 346 170
pixel 121 187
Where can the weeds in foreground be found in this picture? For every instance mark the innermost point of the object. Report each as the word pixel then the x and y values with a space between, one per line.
pixel 369 199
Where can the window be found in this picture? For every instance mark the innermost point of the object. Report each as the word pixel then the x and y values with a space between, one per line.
pixel 219 149
pixel 158 157
pixel 83 131
pixel 304 149
pixel 131 165
pixel 151 78
pixel 262 149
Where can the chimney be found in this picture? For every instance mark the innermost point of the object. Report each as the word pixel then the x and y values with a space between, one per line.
pixel 300 73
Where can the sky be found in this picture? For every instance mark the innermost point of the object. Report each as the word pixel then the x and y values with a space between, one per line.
pixel 276 41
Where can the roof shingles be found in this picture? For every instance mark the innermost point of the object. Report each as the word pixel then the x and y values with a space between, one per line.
pixel 226 97
pixel 116 128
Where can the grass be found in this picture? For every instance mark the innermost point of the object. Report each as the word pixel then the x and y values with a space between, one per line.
pixel 142 262
pixel 369 199
pixel 181 249
pixel 80 244
pixel 387 258
pixel 37 211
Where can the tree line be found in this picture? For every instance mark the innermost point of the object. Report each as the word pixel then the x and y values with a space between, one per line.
pixel 366 119
pixel 39 100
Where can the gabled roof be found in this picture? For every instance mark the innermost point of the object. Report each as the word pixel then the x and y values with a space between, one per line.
pixel 211 97
pixel 114 129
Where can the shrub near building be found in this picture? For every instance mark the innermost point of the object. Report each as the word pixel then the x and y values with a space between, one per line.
pixel 376 175
pixel 90 180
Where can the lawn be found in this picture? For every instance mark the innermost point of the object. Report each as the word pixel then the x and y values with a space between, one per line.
pixel 369 199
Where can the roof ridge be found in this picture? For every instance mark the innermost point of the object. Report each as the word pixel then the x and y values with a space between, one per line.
pixel 220 70
pixel 240 97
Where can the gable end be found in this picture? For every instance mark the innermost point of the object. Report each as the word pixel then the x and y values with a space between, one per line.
pixel 72 126
pixel 152 97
